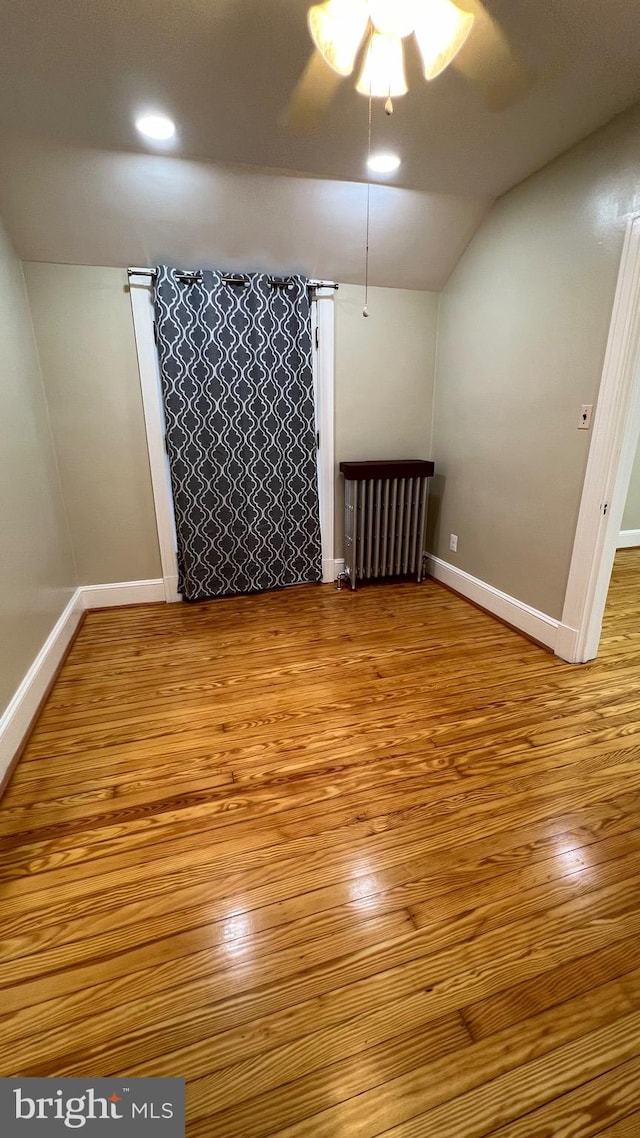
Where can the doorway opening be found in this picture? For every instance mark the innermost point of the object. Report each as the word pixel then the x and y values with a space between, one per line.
pixel 322 332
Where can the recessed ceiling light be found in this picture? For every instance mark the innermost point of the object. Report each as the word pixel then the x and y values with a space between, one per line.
pixel 383 163
pixel 158 127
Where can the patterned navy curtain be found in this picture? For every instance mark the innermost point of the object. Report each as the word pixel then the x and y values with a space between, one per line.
pixel 235 360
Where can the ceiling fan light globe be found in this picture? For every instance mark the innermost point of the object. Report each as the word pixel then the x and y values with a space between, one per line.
pixel 394 17
pixel 441 30
pixel 337 28
pixel 382 74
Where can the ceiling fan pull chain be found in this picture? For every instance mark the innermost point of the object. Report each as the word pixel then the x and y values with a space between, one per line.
pixel 365 310
pixel 388 107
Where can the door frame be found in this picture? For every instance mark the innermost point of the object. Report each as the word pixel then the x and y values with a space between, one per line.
pixel 323 357
pixel 616 430
pixel 141 295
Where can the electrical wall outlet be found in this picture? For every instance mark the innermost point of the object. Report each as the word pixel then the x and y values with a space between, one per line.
pixel 586 411
pixel 453 542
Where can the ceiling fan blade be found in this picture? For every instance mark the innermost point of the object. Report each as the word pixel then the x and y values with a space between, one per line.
pixel 311 96
pixel 488 60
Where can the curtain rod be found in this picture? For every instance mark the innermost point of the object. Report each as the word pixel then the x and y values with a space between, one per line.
pixel 134 271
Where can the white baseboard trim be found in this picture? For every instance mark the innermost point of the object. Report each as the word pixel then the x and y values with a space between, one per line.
pixel 122 593
pixel 566 646
pixel 17 718
pixel 627 538
pixel 529 620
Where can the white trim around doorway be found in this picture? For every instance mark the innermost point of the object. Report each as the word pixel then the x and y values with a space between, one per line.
pixel 616 429
pixel 323 355
pixel 141 294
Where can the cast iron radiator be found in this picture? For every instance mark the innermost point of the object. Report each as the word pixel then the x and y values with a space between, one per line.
pixel 385 513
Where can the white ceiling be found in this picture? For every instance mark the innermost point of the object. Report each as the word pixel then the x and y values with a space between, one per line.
pixel 77 70
pixel 238 189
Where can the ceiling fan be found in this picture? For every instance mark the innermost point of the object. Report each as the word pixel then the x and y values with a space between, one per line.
pixel 373 35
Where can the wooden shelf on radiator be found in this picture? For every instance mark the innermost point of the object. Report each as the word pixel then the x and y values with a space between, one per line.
pixel 387 468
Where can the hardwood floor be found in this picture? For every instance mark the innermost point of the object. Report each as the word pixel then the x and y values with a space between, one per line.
pixel 352 864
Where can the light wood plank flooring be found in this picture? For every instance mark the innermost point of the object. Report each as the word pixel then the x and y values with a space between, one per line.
pixel 352 864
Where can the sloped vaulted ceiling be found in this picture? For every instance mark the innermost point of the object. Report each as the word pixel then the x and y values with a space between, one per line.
pixel 78 206
pixel 73 75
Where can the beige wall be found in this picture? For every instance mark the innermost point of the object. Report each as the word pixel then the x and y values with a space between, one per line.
pixel 84 329
pixel 82 317
pixel 37 575
pixel 523 329
pixel 631 516
pixel 384 378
